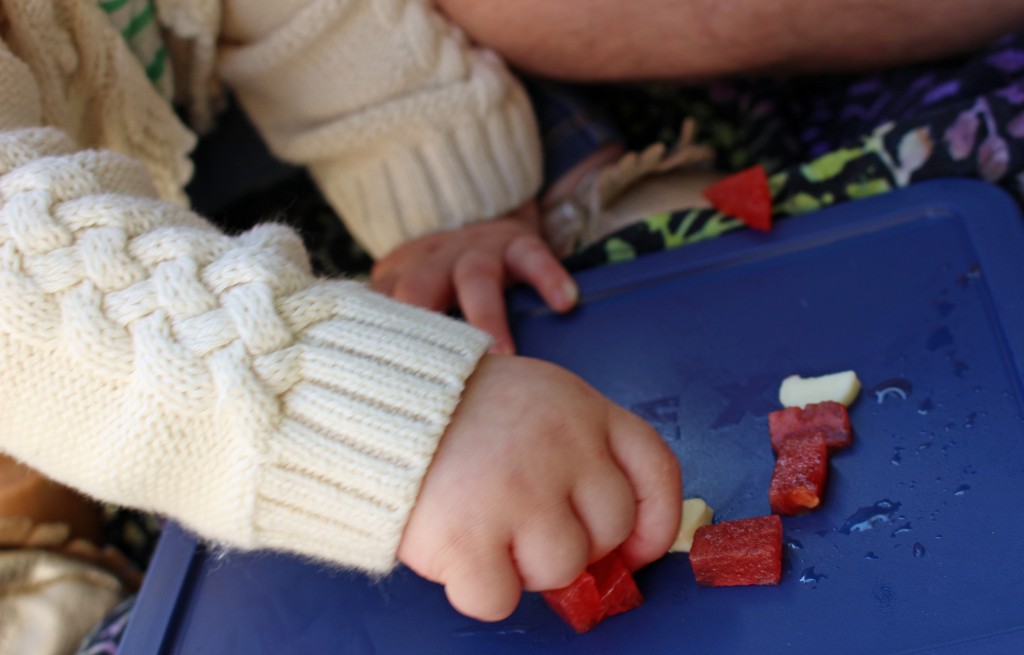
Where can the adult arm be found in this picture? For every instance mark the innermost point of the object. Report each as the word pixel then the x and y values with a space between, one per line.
pixel 700 39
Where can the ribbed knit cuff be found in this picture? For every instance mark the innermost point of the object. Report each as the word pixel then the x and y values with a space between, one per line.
pixel 472 168
pixel 380 381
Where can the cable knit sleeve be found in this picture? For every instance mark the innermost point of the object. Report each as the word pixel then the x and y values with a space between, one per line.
pixel 406 128
pixel 152 361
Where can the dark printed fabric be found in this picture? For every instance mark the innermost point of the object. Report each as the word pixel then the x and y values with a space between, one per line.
pixel 105 637
pixel 570 127
pixel 830 140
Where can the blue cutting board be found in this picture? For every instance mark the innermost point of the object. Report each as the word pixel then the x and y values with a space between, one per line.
pixel 917 547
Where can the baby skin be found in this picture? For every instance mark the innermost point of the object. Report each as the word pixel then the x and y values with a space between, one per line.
pixel 537 475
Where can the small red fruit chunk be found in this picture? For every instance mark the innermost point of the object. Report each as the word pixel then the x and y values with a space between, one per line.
pixel 579 604
pixel 800 472
pixel 605 588
pixel 745 195
pixel 829 417
pixel 741 552
pixel 616 584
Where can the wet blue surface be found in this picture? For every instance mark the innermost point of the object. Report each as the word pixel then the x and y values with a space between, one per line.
pixel 916 547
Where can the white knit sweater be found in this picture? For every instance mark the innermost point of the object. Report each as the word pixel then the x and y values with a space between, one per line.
pixel 150 360
pixel 406 129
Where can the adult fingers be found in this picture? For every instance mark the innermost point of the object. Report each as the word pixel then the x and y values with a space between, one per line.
pixel 656 479
pixel 529 260
pixel 483 585
pixel 480 289
pixel 551 548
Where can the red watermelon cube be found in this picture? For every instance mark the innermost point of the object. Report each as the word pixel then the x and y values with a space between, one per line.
pixel 605 588
pixel 616 584
pixel 800 471
pixel 740 552
pixel 830 418
pixel 579 604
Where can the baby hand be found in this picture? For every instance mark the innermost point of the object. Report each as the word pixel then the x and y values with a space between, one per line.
pixel 471 266
pixel 537 475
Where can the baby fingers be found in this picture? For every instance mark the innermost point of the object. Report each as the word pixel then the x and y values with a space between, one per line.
pixel 480 288
pixel 550 548
pixel 483 583
pixel 605 503
pixel 656 479
pixel 531 261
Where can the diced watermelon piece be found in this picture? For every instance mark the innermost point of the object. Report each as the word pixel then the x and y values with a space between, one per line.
pixel 579 604
pixel 745 195
pixel 605 588
pixel 830 418
pixel 741 552
pixel 616 584
pixel 798 481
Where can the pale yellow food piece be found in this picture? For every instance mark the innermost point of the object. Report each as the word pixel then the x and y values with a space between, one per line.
pixel 695 514
pixel 840 387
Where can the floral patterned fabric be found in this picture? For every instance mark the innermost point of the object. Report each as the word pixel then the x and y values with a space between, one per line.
pixel 831 140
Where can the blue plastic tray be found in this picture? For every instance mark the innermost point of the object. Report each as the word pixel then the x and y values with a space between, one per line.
pixel 917 546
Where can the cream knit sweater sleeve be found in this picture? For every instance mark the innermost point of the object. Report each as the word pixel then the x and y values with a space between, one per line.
pixel 149 360
pixel 405 127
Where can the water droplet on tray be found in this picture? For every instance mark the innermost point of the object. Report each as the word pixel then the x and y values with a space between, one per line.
pixel 496 630
pixel 926 406
pixel 897 456
pixel 903 529
pixel 868 517
pixel 962 490
pixel 918 550
pixel 809 575
pixel 793 544
pixel 895 389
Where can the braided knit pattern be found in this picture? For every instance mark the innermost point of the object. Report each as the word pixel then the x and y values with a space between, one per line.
pixel 150 360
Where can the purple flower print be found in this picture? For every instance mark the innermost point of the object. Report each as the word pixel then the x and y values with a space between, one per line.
pixel 993 158
pixel 1008 61
pixel 959 136
pixel 942 91
pixel 1013 94
pixel 1016 126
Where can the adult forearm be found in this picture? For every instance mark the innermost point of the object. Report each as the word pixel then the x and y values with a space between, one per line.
pixel 697 39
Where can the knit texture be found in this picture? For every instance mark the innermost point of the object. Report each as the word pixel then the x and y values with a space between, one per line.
pixel 91 84
pixel 405 127
pixel 152 361
pixel 136 20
